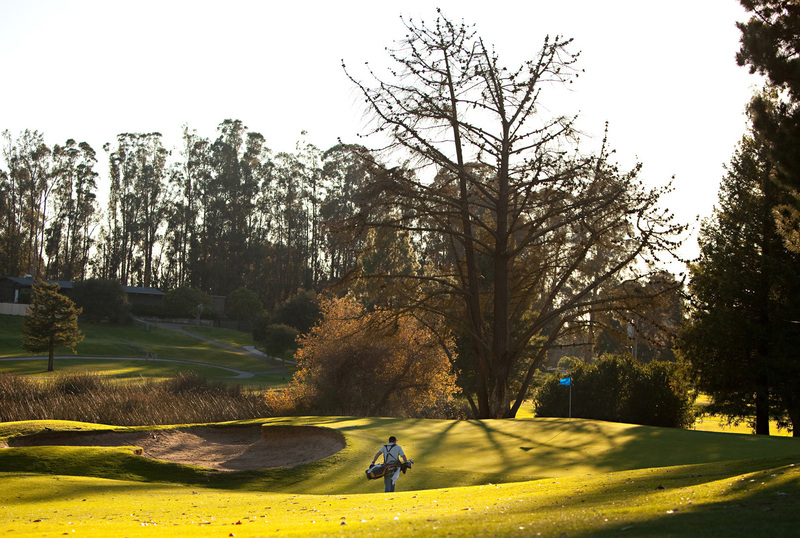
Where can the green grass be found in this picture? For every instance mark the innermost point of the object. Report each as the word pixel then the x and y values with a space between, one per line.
pixel 10 330
pixel 136 341
pixel 514 477
pixel 471 478
pixel 227 336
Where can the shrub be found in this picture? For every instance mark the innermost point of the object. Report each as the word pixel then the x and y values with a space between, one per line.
pixel 243 304
pixel 368 363
pixel 620 389
pixel 277 339
pixel 187 302
pixel 102 300
pixel 80 383
pixel 301 311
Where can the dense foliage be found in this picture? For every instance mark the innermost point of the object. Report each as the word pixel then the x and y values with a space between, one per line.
pixel 101 300
pixel 187 302
pixel 243 304
pixel 216 214
pixel 740 338
pixel 620 389
pixel 368 364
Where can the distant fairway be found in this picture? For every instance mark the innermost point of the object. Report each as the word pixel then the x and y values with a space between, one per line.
pixel 177 351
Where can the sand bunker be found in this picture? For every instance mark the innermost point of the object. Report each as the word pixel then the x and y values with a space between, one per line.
pixel 223 448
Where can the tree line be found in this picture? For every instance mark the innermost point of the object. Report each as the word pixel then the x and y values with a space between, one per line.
pixel 215 215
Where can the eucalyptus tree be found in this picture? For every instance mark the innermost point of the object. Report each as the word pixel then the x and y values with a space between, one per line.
pixel 236 159
pixel 136 212
pixel 11 233
pixel 28 187
pixel 70 236
pixel 290 227
pixel 310 159
pixel 227 176
pixel 183 211
pixel 345 168
pixel 515 210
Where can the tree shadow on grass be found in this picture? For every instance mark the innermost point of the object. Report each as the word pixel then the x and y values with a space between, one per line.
pixel 447 454
pixel 763 503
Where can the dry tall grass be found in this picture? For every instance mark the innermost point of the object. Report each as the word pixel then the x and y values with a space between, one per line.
pixel 88 397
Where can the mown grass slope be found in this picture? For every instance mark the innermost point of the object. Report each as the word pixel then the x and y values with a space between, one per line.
pixel 516 477
pixel 447 453
pixel 103 342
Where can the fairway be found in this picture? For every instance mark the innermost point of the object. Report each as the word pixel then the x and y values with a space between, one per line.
pixel 497 477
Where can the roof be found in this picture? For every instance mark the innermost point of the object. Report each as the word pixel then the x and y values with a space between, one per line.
pixel 67 285
pixel 143 290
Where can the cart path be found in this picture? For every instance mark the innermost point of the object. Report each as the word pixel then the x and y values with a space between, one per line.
pixel 246 350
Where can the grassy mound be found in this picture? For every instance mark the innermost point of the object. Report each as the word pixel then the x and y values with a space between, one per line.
pixel 508 477
pixel 447 453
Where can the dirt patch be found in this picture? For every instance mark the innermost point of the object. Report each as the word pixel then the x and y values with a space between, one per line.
pixel 223 448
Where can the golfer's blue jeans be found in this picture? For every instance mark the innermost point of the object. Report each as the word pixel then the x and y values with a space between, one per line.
pixel 387 483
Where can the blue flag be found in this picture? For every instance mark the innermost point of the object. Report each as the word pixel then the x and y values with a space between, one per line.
pixel 566 381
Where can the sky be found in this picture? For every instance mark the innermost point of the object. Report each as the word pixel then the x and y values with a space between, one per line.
pixel 662 74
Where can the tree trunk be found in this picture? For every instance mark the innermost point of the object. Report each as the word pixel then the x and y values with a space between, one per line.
pixel 762 412
pixel 501 333
pixel 50 359
pixel 794 416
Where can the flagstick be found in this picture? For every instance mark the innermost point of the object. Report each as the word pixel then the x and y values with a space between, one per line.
pixel 570 401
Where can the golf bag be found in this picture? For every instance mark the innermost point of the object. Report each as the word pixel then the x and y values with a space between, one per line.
pixel 381 470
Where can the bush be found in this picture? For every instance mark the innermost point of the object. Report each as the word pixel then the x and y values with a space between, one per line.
pixel 368 364
pixel 243 304
pixel 620 389
pixel 276 339
pixel 102 300
pixel 301 311
pixel 187 302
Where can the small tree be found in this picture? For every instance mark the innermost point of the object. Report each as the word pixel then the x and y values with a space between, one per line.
pixel 277 339
pixel 52 321
pixel 300 311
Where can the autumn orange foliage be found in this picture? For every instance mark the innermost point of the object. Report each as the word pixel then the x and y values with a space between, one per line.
pixel 362 363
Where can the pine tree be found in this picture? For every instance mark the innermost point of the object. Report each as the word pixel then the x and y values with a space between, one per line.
pixel 739 338
pixel 770 46
pixel 52 321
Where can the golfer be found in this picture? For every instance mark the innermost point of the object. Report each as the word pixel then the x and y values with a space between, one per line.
pixel 392 453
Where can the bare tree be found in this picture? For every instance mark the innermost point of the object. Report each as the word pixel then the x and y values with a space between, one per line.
pixel 523 234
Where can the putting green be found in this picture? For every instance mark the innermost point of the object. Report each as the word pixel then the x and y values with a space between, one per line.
pixel 447 453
